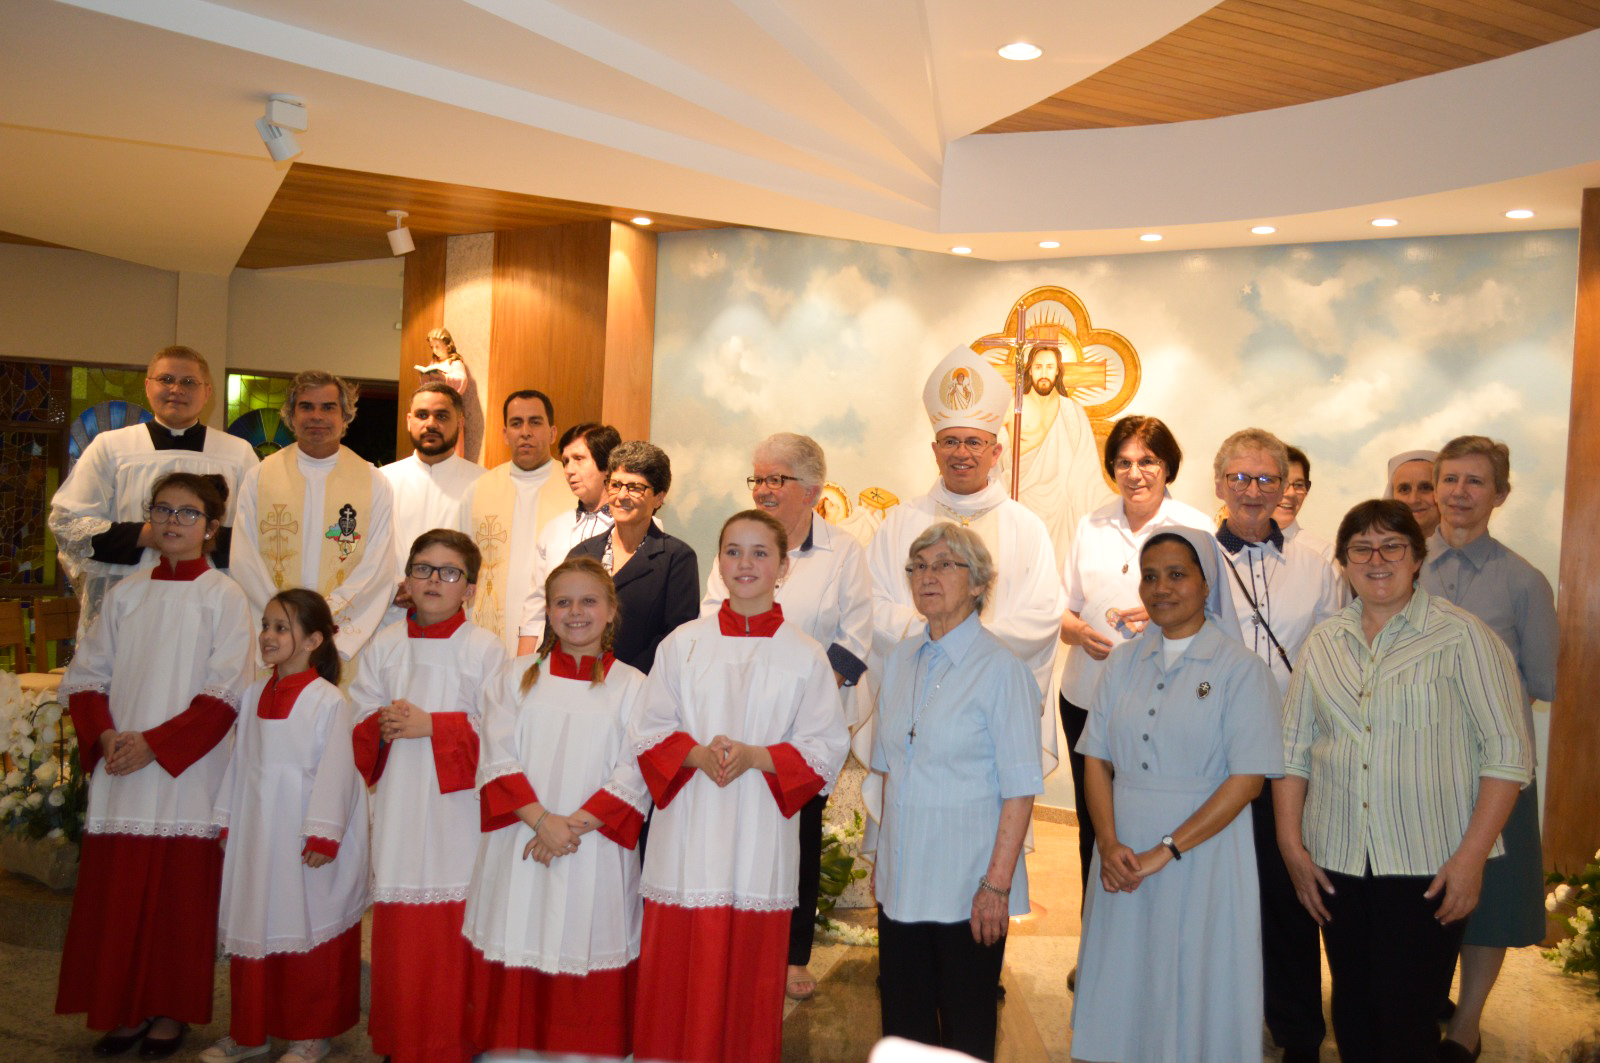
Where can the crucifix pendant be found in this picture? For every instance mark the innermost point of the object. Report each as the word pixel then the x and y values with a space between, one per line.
pixel 1124 568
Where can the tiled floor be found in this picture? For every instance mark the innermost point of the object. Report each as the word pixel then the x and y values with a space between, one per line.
pixel 1535 1012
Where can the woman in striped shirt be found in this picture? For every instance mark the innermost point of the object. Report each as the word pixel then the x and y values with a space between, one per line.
pixel 1404 751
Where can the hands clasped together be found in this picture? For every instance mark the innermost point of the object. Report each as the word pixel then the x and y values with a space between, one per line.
pixel 724 760
pixel 1122 869
pixel 125 751
pixel 401 719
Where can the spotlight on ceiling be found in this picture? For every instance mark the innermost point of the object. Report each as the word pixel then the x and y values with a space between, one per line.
pixel 1049 245
pixel 960 250
pixel 400 241
pixel 642 220
pixel 1151 238
pixel 1519 213
pixel 1020 51
pixel 1385 223
pixel 284 113
pixel 1263 230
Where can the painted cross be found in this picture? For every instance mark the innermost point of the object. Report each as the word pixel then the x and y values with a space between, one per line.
pixel 276 529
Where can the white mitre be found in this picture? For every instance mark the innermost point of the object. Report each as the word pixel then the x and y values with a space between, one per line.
pixel 965 391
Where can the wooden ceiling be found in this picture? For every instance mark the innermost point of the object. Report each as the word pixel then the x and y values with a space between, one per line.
pixel 322 214
pixel 1254 55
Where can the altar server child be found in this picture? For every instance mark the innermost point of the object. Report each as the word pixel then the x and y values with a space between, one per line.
pixel 417 706
pixel 734 691
pixel 554 911
pixel 153 691
pixel 293 813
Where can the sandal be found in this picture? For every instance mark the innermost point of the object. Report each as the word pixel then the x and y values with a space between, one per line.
pixel 802 986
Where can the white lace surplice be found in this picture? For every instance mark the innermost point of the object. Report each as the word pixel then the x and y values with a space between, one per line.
pixel 570 739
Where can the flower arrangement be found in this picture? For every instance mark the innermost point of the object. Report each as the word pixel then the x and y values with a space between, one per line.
pixel 838 871
pixel 1573 902
pixel 41 793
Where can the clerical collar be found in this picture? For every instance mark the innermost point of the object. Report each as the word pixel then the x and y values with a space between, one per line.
pixel 181 571
pixel 279 695
pixel 762 625
pixel 1233 544
pixel 164 438
pixel 442 630
pixel 306 460
pixel 537 472
pixel 564 666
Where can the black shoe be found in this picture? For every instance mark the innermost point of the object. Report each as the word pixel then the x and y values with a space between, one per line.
pixel 113 1044
pixel 161 1048
pixel 1456 1052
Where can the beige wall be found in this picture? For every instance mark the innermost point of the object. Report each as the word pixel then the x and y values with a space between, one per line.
pixel 76 307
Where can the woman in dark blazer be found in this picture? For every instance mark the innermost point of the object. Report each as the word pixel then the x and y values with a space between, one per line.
pixel 657 576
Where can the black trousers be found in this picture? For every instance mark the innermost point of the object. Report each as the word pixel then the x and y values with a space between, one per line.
pixel 937 985
pixel 1073 721
pixel 803 920
pixel 1391 963
pixel 1291 954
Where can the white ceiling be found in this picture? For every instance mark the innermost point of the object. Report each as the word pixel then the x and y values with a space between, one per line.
pixel 127 125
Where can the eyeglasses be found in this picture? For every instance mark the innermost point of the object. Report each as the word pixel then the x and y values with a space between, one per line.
pixel 938 568
pixel 618 487
pixel 1361 553
pixel 1241 481
pixel 187 383
pixel 1148 466
pixel 423 570
pixel 1300 486
pixel 775 481
pixel 188 516
pixel 951 444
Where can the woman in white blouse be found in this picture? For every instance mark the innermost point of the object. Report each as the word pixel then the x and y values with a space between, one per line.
pixel 1102 579
pixel 828 595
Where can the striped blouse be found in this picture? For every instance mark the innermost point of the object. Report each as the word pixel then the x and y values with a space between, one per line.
pixel 1393 737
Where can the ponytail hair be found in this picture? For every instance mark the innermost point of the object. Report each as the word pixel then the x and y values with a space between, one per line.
pixel 310 611
pixel 608 638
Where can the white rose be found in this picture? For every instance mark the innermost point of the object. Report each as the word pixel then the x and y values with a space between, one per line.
pixel 1551 904
pixel 1597 856
pixel 50 712
pixel 35 799
pixel 13 779
pixel 47 773
pixel 24 747
pixel 57 834
pixel 1565 893
pixel 8 803
pixel 49 733
pixel 57 798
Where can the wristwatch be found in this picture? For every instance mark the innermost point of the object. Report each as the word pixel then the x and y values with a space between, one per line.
pixel 1172 846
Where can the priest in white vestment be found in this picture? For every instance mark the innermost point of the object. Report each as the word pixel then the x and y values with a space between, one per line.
pixel 97 516
pixel 505 510
pixel 318 515
pixel 430 487
pixel 1024 610
pixel 1060 479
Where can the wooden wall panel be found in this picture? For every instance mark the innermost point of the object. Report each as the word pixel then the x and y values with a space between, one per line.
pixel 421 311
pixel 630 331
pixel 549 322
pixel 1572 778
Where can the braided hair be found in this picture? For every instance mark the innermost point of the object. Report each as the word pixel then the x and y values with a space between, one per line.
pixel 588 566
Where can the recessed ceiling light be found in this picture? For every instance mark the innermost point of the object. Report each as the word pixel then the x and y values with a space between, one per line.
pixel 1385 223
pixel 1519 213
pixel 642 220
pixel 1049 245
pixel 1021 51
pixel 961 250
pixel 1264 230
pixel 1150 238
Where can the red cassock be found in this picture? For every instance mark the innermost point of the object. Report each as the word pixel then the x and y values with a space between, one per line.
pixel 720 870
pixel 168 658
pixel 424 830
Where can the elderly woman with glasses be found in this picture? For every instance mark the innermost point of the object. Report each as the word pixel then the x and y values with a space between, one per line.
pixel 1183 731
pixel 826 593
pixel 1404 751
pixel 657 576
pixel 958 743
